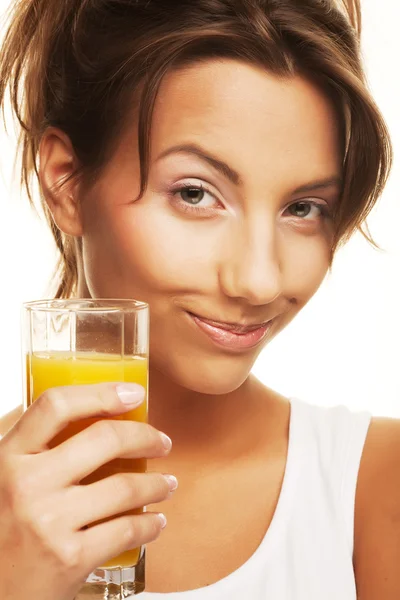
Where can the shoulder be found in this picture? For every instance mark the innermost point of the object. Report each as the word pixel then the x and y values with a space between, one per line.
pixel 9 420
pixel 377 513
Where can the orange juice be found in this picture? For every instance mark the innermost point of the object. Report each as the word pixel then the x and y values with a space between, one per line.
pixel 47 370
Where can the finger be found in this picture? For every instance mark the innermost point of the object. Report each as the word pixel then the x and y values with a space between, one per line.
pixel 7 422
pixel 117 494
pixel 101 543
pixel 58 407
pixel 103 442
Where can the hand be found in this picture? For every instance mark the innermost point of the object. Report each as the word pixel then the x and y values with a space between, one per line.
pixel 47 551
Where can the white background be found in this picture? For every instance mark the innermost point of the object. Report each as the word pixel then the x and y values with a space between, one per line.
pixel 343 348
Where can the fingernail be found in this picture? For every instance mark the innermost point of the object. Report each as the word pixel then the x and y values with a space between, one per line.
pixel 130 394
pixel 166 441
pixel 163 520
pixel 172 482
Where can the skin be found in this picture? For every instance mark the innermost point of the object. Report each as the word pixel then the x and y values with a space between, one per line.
pixel 244 257
pixel 253 254
pixel 250 259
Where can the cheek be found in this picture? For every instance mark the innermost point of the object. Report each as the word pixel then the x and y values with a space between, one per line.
pixel 140 247
pixel 138 244
pixel 307 265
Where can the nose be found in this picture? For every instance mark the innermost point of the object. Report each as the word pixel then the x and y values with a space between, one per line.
pixel 251 269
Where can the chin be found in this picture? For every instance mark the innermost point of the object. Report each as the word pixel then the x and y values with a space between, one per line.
pixel 205 375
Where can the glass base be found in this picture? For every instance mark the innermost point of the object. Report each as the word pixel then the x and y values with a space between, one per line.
pixel 115 584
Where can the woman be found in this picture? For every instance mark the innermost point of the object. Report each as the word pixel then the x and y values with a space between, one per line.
pixel 209 158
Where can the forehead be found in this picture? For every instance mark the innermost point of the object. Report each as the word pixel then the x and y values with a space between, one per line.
pixel 247 114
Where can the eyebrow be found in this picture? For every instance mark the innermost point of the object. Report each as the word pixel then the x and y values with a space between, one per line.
pixel 320 184
pixel 219 165
pixel 233 176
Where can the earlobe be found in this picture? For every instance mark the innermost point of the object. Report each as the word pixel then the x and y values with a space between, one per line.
pixel 57 163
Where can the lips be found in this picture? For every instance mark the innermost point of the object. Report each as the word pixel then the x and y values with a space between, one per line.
pixel 232 336
pixel 238 329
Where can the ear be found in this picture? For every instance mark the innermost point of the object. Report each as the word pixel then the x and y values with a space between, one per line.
pixel 57 162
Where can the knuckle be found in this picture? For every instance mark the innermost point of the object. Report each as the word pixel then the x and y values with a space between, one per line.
pixel 28 518
pixel 18 495
pixel 153 438
pixel 20 490
pixel 45 519
pixel 52 404
pixel 103 399
pixel 125 485
pixel 161 486
pixel 108 432
pixel 40 525
pixel 20 506
pixel 69 554
pixel 141 529
pixel 131 533
pixel 154 527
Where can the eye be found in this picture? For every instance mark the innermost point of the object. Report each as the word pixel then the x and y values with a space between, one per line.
pixel 196 195
pixel 305 208
pixel 192 195
pixel 191 198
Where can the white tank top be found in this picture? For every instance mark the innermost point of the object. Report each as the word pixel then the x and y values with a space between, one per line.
pixel 307 551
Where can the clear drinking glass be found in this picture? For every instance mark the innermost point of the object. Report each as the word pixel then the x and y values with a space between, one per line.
pixel 75 342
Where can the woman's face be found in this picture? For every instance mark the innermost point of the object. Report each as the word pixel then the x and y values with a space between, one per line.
pixel 234 226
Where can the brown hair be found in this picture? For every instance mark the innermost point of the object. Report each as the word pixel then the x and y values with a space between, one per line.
pixel 76 65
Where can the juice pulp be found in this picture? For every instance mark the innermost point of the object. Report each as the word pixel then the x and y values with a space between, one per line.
pixel 47 370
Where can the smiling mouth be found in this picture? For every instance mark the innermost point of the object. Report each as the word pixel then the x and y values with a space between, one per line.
pixel 232 335
pixel 234 327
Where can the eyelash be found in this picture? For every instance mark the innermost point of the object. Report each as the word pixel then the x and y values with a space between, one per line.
pixel 188 208
pixel 185 206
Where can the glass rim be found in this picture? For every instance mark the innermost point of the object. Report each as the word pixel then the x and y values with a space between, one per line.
pixel 88 305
